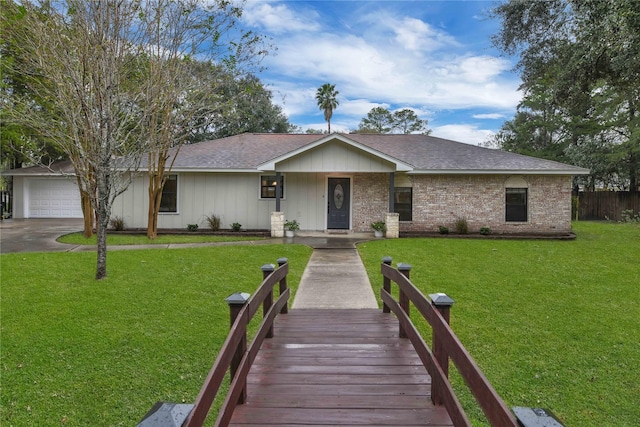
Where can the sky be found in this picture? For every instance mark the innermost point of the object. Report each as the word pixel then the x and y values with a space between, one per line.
pixel 433 57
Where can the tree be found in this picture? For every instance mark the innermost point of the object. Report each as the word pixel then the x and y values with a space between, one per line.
pixel 115 76
pixel 312 131
pixel 378 120
pixel 238 106
pixel 406 121
pixel 327 102
pixel 586 56
pixel 381 120
pixel 80 74
pixel 178 91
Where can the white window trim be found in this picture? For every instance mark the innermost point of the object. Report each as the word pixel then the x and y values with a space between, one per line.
pixel 284 185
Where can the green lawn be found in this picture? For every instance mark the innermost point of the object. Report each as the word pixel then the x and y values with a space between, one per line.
pixel 553 324
pixel 77 352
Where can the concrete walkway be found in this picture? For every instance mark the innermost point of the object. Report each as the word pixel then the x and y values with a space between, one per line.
pixel 334 278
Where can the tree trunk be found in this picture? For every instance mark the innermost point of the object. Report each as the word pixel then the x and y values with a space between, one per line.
pixel 88 212
pixel 103 212
pixel 155 197
pixel 156 184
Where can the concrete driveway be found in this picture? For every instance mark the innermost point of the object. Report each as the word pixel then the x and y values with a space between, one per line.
pixel 39 235
pixel 36 235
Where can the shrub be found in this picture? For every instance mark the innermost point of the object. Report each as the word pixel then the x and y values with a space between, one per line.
pixel 443 230
pixel 214 222
pixel 292 225
pixel 379 226
pixel 627 215
pixel 117 223
pixel 485 231
pixel 192 227
pixel 236 226
pixel 461 226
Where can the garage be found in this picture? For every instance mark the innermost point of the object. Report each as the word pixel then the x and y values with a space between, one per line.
pixel 54 198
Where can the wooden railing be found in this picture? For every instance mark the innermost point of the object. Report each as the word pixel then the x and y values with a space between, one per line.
pixel 445 346
pixel 234 356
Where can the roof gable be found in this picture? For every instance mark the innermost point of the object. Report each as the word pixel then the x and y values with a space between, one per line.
pixel 338 153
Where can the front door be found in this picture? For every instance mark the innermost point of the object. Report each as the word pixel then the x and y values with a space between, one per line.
pixel 338 203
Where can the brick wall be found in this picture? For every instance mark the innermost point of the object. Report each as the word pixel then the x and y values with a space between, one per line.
pixel 480 199
pixel 370 200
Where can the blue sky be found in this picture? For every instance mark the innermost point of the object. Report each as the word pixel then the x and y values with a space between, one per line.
pixel 434 57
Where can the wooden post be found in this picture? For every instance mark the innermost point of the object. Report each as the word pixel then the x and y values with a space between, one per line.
pixel 278 191
pixel 443 304
pixel 236 302
pixel 283 285
pixel 392 190
pixel 267 269
pixel 386 283
pixel 403 299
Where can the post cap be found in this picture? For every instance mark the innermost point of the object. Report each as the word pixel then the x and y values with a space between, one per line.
pixel 238 298
pixel 404 267
pixel 441 300
pixel 387 259
pixel 166 414
pixel 282 261
pixel 536 417
pixel 268 267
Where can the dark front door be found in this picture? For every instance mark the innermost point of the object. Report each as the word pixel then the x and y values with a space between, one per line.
pixel 338 203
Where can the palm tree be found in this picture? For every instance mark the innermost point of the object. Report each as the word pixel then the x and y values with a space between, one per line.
pixel 326 97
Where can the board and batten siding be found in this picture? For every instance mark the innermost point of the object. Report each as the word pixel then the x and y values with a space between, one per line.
pixel 234 197
pixel 335 157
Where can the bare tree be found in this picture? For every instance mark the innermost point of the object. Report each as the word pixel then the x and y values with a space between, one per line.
pixel 79 57
pixel 184 39
pixel 117 74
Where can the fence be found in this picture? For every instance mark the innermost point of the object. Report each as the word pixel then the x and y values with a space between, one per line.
pixel 607 205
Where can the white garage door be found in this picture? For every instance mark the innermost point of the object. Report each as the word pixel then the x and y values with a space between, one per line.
pixel 54 198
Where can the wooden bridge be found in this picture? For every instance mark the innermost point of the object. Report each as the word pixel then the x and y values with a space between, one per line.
pixel 342 367
pixel 333 367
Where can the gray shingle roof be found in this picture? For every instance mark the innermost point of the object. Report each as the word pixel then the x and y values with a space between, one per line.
pixel 426 154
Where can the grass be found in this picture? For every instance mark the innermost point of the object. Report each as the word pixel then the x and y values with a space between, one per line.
pixel 141 239
pixel 553 324
pixel 77 352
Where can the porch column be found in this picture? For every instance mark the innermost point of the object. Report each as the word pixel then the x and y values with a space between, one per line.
pixel 278 191
pixel 392 192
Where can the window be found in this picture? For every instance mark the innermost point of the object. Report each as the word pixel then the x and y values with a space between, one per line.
pixel 169 201
pixel 402 203
pixel 516 205
pixel 268 187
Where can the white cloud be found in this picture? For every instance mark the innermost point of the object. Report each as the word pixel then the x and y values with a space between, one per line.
pixel 381 57
pixel 463 133
pixel 417 35
pixel 277 18
pixel 490 116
